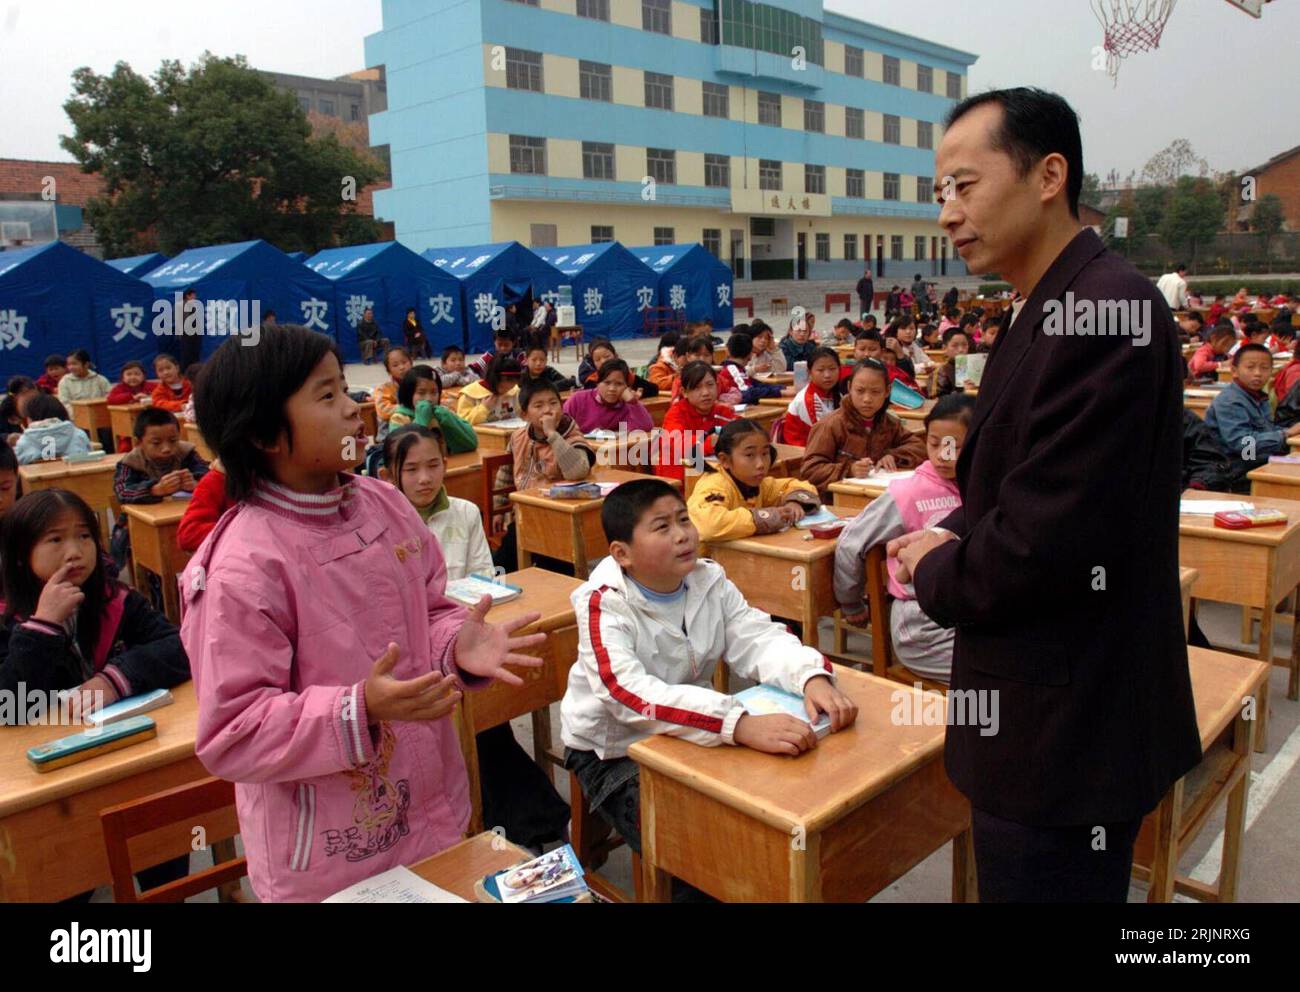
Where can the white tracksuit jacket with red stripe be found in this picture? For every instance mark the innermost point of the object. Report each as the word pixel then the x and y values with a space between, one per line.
pixel 639 674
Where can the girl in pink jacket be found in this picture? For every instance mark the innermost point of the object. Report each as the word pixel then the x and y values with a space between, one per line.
pixel 908 505
pixel 325 655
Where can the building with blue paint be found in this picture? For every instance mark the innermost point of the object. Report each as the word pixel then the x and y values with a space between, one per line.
pixel 790 141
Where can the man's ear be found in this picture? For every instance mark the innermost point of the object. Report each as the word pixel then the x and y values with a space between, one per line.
pixel 621 553
pixel 1055 171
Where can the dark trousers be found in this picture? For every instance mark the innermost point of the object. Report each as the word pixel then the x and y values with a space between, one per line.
pixel 1020 863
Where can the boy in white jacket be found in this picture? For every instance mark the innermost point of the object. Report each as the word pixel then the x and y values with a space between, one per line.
pixel 653 622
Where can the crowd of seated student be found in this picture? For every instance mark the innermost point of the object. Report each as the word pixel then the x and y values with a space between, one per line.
pixel 955 342
pixel 49 434
pixel 452 372
pixel 671 359
pixel 609 401
pixel 56 367
pixel 814 401
pixel 536 369
pixel 81 382
pixel 735 385
pixel 768 358
pixel 495 396
pixel 601 351
pixel 419 401
pixel 1243 417
pixel 552 446
pixel 691 425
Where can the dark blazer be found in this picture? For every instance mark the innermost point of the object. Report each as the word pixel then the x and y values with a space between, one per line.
pixel 1071 464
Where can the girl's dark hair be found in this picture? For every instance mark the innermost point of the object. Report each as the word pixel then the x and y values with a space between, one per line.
pixel 695 373
pixel 8 460
pixel 954 406
pixel 740 346
pixel 735 431
pixel 20 384
pixel 133 364
pixel 241 404
pixel 83 356
pixel 399 443
pixel 55 361
pixel 869 365
pixel 417 374
pixel 164 356
pixel 501 367
pixel 757 327
pixel 610 367
pixel 952 332
pixel 822 352
pixel 390 351
pixel 700 343
pixel 602 343
pixel 668 340
pixel 24 524
pixel 43 406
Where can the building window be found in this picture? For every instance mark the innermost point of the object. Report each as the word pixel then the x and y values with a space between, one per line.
pixel 893 74
pixel 708 26
pixel 527 3
pixel 924 79
pixel 523 70
pixel 769 174
pixel 822 247
pixel 717 100
pixel 597 160
pixel 712 240
pixel 762 227
pixel 595 81
pixel 661 165
pixel 767 28
pixel 717 170
pixel 954 86
pixel 925 189
pixel 891 186
pixel 665 236
pixel 657 16
pixel 304 104
pixel 602 233
pixel 658 91
pixel 527 155
pixel 893 130
pixel 920 248
pixel 814 179
pixel 327 108
pixel 356 112
pixel 597 10
pixel 852 61
pixel 924 134
pixel 896 247
pixel 855 183
pixel 542 235
pixel 850 247
pixel 855 123
pixel 814 116
pixel 769 109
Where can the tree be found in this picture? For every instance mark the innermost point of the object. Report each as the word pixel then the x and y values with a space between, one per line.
pixel 1267 218
pixel 210 155
pixel 1192 216
pixel 1168 166
pixel 1091 194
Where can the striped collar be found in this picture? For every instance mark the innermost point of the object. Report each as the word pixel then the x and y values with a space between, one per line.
pixel 306 508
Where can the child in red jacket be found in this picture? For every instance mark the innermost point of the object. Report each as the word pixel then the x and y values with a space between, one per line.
pixel 207 505
pixel 173 390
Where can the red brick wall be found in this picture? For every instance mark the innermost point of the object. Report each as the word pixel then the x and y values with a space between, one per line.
pixel 1283 179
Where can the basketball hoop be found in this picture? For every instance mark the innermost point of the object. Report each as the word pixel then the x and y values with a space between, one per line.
pixel 1130 26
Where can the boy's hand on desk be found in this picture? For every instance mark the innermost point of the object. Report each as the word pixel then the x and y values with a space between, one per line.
pixel 485 649
pixel 429 697
pixel 168 484
pixel 861 468
pixel 791 513
pixel 187 480
pixel 777 733
pixel 821 696
pixel 887 464
pixel 90 702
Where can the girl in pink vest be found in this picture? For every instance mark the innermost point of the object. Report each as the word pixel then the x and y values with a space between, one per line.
pixel 909 504
pixel 326 656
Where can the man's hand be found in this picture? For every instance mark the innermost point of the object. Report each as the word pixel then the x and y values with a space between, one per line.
pixel 821 696
pixel 911 548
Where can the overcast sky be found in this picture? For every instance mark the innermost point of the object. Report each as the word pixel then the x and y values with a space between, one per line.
pixel 1219 78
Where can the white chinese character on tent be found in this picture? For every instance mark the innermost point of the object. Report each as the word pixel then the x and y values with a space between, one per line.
pixel 478 261
pixel 13 330
pixel 551 297
pixel 313 314
pixel 127 320
pixel 724 295
pixel 592 301
pixel 356 306
pixel 440 306
pixel 583 259
pixel 677 297
pixel 485 305
pixel 645 297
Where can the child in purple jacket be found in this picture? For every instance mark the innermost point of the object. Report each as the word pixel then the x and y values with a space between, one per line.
pixel 326 656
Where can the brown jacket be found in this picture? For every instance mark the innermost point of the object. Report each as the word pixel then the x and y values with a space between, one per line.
pixel 842 438
pixel 663 375
pixel 565 454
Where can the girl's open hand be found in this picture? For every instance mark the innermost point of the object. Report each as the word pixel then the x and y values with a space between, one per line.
pixel 429 697
pixel 485 649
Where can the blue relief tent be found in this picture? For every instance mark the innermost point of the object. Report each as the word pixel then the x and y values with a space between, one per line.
pixel 139 265
pixel 54 298
pixel 611 287
pixel 494 276
pixel 234 277
pixel 390 278
pixel 297 256
pixel 691 279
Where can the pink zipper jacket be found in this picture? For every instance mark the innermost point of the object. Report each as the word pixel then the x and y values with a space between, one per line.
pixel 287 604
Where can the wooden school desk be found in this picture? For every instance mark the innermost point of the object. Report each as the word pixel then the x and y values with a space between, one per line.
pixel 1220 684
pixel 152 527
pixel 658 407
pixel 548 594
pixel 1199 400
pixel 1277 479
pixel 195 437
pixel 1186 579
pixel 836 824
pixel 1258 567
pixel 914 420
pixel 464 477
pixel 782 574
pixel 763 413
pixel 458 867
pixel 854 496
pixel 493 438
pixel 122 421
pixel 51 844
pixel 566 529
pixel 90 416
pixel 369 418
pixel 92 481
pixel 618 453
pixel 1293 442
pixel 781 379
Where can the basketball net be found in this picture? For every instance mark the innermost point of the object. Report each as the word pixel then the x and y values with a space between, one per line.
pixel 1130 26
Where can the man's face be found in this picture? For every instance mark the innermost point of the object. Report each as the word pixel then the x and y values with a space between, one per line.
pixel 992 213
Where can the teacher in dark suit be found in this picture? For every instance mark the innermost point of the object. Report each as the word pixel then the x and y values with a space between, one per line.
pixel 1060 571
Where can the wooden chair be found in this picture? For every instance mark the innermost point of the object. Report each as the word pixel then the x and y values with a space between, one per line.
pixel 780 304
pixel 211 803
pixel 496 519
pixel 882 661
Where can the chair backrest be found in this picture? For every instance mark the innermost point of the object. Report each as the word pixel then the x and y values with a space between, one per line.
pixel 883 663
pixel 498 484
pixel 205 803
